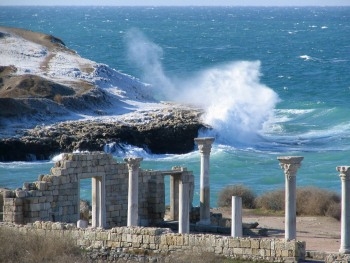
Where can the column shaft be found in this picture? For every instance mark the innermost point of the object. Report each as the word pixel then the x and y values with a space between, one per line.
pixel 95 202
pixel 290 208
pixel 236 221
pixel 102 202
pixel 204 146
pixel 133 191
pixel 345 209
pixel 290 165
pixel 184 205
pixel 204 190
pixel 174 196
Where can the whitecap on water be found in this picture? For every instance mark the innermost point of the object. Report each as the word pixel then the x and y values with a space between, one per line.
pixel 305 57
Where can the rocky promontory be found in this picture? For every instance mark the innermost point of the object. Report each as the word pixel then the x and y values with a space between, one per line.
pixel 52 101
pixel 169 131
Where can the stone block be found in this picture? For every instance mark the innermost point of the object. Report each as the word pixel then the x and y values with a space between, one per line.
pixel 245 243
pixel 21 193
pixel 34 207
pixel 265 244
pixel 78 170
pixel 56 171
pixel 234 243
pixel 255 243
pixel 12 201
pixel 70 172
pixel 284 253
pixel 238 251
pixel 55 180
pixel 8 194
pixel 45 206
pixel 68 164
pixel 42 199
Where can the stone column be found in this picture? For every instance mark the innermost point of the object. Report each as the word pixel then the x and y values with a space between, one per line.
pixel 102 214
pixel 290 165
pixel 204 146
pixel 184 204
pixel 95 202
pixel 174 196
pixel 345 209
pixel 133 190
pixel 98 202
pixel 236 218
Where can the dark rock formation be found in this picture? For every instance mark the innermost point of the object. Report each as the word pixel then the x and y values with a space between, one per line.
pixel 56 85
pixel 169 131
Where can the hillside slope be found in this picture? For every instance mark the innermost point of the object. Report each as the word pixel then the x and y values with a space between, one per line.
pixel 44 85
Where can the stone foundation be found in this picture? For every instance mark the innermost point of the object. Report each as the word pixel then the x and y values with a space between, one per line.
pixel 162 242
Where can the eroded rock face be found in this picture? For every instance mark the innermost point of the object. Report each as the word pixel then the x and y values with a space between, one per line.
pixel 44 84
pixel 166 131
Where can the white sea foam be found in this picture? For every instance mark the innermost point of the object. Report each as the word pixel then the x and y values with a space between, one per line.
pixel 57 157
pixel 294 111
pixel 125 150
pixel 236 104
pixel 305 57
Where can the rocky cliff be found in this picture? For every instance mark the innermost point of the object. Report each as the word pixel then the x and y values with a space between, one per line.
pixel 52 101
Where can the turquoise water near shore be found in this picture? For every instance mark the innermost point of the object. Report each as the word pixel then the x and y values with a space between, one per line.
pixel 301 54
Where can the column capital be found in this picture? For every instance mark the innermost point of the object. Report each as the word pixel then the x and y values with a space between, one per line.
pixel 344 172
pixel 290 164
pixel 179 168
pixel 133 162
pixel 204 144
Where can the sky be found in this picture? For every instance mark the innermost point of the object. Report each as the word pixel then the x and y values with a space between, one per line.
pixel 180 2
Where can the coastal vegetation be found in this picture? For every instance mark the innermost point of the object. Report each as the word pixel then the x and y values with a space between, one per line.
pixel 311 201
pixel 16 247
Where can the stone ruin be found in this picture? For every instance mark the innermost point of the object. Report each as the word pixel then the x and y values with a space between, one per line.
pixel 56 197
pixel 125 195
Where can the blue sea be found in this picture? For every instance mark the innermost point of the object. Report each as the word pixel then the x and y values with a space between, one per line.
pixel 274 80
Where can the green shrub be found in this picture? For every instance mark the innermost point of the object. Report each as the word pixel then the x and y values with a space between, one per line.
pixel 225 196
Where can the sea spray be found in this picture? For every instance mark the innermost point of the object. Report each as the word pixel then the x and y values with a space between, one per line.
pixel 236 104
pixel 211 36
pixel 146 55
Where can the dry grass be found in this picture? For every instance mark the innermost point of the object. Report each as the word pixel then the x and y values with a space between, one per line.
pixel 271 201
pixel 317 202
pixel 225 196
pixel 34 248
pixel 311 201
pixel 58 98
pixel 200 257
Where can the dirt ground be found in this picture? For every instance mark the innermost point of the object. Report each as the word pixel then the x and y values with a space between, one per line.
pixel 320 233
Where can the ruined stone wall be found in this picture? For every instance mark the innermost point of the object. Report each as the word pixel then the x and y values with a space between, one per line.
pixel 53 198
pixel 56 197
pixel 157 242
pixel 151 197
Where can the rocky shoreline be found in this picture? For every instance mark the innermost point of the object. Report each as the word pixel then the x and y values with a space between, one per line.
pixel 169 130
pixel 53 101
